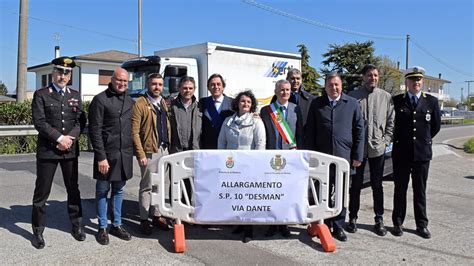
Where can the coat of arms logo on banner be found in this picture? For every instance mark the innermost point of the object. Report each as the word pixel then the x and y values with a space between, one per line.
pixel 229 162
pixel 278 162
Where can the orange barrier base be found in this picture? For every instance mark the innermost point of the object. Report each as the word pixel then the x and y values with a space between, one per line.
pixel 324 235
pixel 179 238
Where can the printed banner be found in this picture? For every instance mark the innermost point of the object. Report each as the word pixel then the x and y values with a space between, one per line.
pixel 251 186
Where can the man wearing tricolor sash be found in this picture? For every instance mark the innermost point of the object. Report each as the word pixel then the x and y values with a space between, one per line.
pixel 284 130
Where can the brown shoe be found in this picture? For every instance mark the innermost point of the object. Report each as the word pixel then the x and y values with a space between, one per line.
pixel 102 236
pixel 120 232
pixel 160 222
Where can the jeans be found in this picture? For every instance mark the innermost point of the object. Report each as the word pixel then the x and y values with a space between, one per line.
pixel 102 188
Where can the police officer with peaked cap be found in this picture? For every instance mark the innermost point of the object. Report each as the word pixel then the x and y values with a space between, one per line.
pixel 417 121
pixel 59 120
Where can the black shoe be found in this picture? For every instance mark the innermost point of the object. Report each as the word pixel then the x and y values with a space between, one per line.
pixel 145 227
pixel 102 236
pixel 238 230
pixel 352 226
pixel 284 231
pixel 339 234
pixel 248 234
pixel 120 232
pixel 272 229
pixel 161 223
pixel 423 232
pixel 78 233
pixel 397 230
pixel 38 240
pixel 380 228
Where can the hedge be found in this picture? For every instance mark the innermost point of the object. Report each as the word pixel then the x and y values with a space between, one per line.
pixel 20 114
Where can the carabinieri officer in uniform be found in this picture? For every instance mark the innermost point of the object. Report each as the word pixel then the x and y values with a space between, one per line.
pixel 417 121
pixel 58 117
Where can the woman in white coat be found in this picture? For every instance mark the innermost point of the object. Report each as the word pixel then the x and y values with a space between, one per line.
pixel 243 131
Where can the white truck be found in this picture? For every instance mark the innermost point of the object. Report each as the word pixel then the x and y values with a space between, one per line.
pixel 242 68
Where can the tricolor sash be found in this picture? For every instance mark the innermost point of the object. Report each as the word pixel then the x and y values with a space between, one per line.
pixel 282 125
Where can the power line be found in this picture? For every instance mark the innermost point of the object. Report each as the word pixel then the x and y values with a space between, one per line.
pixel 439 60
pixel 320 24
pixel 348 31
pixel 134 41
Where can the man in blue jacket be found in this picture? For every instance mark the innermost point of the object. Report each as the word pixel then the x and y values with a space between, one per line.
pixel 335 126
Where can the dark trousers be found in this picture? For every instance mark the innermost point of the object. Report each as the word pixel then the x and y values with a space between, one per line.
pixel 45 170
pixel 419 175
pixel 339 220
pixel 376 166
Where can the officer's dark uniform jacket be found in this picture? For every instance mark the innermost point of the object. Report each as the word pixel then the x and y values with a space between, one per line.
pixel 55 115
pixel 415 127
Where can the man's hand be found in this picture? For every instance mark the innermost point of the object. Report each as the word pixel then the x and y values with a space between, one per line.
pixel 61 147
pixel 65 143
pixel 104 167
pixel 143 162
pixel 356 163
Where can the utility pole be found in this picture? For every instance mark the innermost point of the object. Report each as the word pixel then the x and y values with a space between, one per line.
pixel 468 86
pixel 468 92
pixel 139 28
pixel 406 51
pixel 21 81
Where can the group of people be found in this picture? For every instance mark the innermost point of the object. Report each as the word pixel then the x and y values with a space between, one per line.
pixel 357 127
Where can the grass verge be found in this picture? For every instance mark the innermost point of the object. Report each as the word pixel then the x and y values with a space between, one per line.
pixel 469 146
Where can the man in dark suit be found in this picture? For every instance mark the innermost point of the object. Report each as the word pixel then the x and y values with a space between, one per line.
pixel 58 117
pixel 110 116
pixel 215 109
pixel 417 121
pixel 277 118
pixel 335 126
pixel 298 95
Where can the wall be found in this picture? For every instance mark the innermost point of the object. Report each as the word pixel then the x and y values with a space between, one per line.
pixel 90 79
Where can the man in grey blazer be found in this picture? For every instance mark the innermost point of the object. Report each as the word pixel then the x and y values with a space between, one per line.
pixel 377 110
pixel 290 113
pixel 215 109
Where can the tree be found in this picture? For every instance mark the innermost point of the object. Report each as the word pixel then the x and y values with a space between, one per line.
pixel 3 88
pixel 451 103
pixel 309 74
pixel 390 76
pixel 348 60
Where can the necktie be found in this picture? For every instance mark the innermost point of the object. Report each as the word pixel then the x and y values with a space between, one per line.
pixel 283 110
pixel 333 103
pixel 414 101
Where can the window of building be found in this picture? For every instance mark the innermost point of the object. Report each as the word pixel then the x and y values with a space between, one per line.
pixel 105 76
pixel 70 80
pixel 44 81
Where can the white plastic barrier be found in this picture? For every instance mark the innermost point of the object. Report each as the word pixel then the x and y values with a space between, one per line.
pixel 181 205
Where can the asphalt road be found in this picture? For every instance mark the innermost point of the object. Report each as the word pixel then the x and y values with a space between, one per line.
pixel 450 200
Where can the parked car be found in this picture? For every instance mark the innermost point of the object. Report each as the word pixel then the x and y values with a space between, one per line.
pixel 388 167
pixel 445 113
